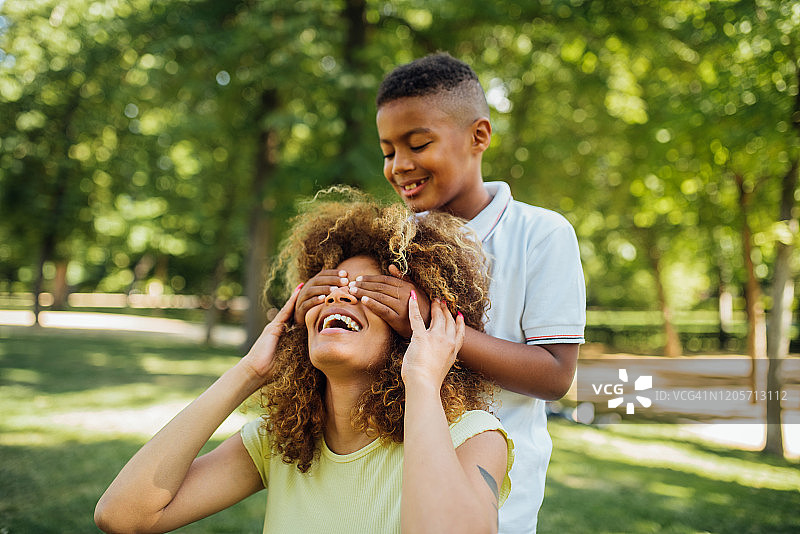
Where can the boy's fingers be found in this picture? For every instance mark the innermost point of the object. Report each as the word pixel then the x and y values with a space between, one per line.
pixel 322 283
pixel 328 280
pixel 332 272
pixel 315 291
pixel 309 300
pixel 380 309
pixel 395 271
pixel 376 281
pixel 384 299
pixel 303 307
pixel 319 284
pixel 384 291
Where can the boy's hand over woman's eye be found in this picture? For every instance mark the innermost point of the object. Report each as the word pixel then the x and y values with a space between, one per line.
pixel 316 289
pixel 387 297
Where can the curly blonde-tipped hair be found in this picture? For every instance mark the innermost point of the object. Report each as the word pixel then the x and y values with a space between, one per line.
pixel 435 252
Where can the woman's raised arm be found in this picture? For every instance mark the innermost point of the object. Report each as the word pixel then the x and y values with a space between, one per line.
pixel 165 485
pixel 444 489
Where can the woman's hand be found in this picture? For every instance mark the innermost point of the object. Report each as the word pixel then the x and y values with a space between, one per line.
pixel 433 350
pixel 444 489
pixel 262 354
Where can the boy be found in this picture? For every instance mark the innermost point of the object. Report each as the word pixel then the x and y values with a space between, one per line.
pixel 433 124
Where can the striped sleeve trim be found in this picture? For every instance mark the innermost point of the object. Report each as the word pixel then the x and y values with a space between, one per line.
pixel 536 340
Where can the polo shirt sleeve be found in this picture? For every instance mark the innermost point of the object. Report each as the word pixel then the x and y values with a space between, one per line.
pixel 475 422
pixel 256 441
pixel 555 293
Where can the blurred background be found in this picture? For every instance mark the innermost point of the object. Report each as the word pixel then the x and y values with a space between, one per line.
pixel 151 152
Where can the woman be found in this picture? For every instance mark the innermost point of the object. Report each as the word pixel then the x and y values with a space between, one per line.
pixel 364 431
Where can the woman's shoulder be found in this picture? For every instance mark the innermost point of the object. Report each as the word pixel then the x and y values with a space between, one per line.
pixel 256 440
pixel 255 437
pixel 473 422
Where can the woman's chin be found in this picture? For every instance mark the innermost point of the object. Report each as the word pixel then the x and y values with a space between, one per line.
pixel 338 360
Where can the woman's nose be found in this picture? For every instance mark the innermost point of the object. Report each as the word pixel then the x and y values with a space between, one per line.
pixel 341 294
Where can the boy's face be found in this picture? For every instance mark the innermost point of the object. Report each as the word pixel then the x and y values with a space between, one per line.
pixel 429 158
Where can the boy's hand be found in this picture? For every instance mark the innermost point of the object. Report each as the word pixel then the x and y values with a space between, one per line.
pixel 433 350
pixel 316 289
pixel 387 297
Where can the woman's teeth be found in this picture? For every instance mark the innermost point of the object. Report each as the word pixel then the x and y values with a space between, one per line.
pixel 350 323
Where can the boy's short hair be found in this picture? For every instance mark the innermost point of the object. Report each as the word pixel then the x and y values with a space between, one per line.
pixel 452 82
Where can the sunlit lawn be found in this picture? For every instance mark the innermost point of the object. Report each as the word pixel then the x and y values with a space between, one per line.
pixel 75 406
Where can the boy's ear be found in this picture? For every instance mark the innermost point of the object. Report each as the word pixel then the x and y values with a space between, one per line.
pixel 481 134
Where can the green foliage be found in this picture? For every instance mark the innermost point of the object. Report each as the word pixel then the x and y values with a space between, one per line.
pixel 134 131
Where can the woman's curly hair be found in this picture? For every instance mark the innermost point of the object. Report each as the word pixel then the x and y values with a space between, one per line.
pixel 435 251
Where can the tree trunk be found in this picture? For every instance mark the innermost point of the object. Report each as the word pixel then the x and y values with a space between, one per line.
pixel 756 325
pixel 45 253
pixel 353 105
pixel 781 313
pixel 256 270
pixel 354 113
pixel 672 346
pixel 53 223
pixel 141 270
pixel 258 228
pixel 60 288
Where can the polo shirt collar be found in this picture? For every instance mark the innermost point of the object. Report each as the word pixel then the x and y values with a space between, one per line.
pixel 485 222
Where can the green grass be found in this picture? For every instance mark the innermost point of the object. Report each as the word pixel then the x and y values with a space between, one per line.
pixel 655 478
pixel 52 470
pixel 55 460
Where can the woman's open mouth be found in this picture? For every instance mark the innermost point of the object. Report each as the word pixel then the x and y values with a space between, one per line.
pixel 340 321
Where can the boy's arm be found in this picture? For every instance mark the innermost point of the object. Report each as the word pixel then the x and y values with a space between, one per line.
pixel 543 371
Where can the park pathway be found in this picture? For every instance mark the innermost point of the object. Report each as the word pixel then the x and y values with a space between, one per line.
pixel 745 436
pixel 223 334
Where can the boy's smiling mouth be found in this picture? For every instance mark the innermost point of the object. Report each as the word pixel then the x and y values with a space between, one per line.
pixel 412 188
